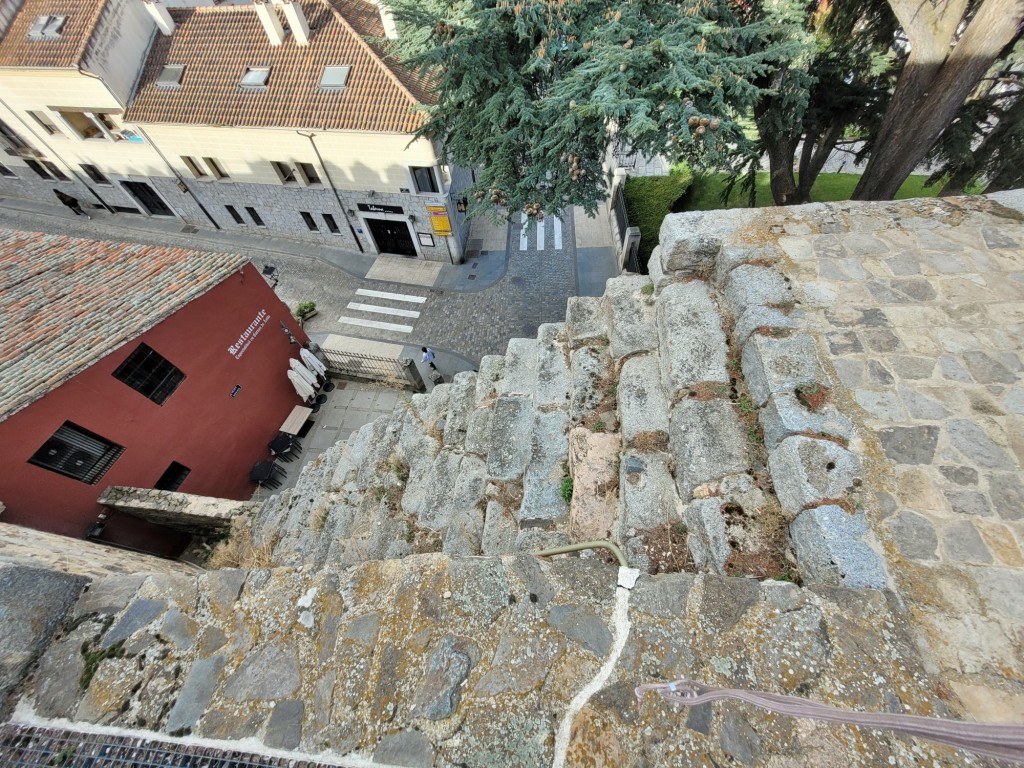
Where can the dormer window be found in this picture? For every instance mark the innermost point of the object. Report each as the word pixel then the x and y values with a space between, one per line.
pixel 254 78
pixel 46 28
pixel 334 78
pixel 170 77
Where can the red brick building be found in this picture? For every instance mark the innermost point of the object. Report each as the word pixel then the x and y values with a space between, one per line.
pixel 134 365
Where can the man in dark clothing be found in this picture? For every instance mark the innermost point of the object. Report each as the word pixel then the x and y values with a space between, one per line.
pixel 72 203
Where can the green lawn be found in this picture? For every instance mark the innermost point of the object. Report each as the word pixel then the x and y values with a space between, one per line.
pixel 706 191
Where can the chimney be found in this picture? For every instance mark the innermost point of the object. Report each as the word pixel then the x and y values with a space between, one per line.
pixel 296 21
pixel 390 30
pixel 160 15
pixel 272 24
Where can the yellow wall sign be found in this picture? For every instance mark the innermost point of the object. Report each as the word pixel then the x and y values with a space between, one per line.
pixel 439 221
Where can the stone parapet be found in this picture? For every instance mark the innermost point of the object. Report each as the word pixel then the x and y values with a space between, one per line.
pixel 181 511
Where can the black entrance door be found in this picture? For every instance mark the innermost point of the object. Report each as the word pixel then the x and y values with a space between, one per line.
pixel 392 237
pixel 148 198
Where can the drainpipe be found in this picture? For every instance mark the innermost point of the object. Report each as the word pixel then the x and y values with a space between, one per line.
pixel 609 545
pixel 49 150
pixel 330 183
pixel 181 182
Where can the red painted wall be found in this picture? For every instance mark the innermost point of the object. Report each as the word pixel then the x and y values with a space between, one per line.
pixel 200 425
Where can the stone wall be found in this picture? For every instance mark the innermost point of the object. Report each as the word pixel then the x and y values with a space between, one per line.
pixel 38 549
pixel 181 511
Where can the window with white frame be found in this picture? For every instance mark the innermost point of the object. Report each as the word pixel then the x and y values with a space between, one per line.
pixel 90 125
pixel 424 178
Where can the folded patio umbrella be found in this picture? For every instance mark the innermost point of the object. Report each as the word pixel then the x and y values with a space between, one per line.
pixel 303 371
pixel 302 387
pixel 312 362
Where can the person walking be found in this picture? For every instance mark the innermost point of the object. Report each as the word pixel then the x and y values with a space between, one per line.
pixel 72 203
pixel 428 357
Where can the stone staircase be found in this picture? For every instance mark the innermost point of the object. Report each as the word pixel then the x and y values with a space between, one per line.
pixel 666 415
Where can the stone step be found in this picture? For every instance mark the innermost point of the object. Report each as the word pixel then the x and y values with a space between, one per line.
pixel 630 315
pixel 549 453
pixel 643 406
pixel 692 345
pixel 491 367
pixel 511 432
pixel 461 401
pixel 586 321
pixel 519 376
pixel 553 367
pixel 590 371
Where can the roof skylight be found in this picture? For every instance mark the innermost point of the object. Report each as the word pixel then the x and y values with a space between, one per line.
pixel 46 28
pixel 255 78
pixel 170 76
pixel 334 78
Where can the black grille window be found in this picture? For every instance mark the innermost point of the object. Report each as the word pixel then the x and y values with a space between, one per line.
pixel 77 453
pixel 149 373
pixel 172 479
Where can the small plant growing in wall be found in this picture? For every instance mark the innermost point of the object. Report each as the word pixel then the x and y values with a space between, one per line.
pixel 566 489
pixel 813 396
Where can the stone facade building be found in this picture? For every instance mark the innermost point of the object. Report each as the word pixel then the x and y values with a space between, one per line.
pixel 288 119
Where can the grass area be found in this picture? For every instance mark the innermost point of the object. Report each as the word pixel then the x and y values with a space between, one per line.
pixel 706 191
pixel 649 199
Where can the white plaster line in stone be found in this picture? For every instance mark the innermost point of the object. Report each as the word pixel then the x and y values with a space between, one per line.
pixel 620 628
pixel 558 233
pixel 382 310
pixel 24 714
pixel 393 296
pixel 376 324
pixel 522 234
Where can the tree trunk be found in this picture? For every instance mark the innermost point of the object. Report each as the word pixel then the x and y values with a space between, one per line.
pixel 931 89
pixel 814 156
pixel 780 167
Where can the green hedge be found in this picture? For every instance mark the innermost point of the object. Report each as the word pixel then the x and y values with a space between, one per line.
pixel 648 200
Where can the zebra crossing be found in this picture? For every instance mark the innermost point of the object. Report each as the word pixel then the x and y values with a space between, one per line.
pixel 379 308
pixel 538 234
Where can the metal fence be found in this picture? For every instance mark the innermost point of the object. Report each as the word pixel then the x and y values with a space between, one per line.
pixel 34 747
pixel 621 218
pixel 358 365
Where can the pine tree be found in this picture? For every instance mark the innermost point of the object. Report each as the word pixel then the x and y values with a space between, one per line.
pixel 534 93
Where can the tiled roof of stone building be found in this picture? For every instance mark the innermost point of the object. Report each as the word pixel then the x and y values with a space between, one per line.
pixel 66 302
pixel 215 45
pixel 18 49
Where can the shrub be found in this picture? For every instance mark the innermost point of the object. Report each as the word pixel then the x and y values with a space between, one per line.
pixel 648 200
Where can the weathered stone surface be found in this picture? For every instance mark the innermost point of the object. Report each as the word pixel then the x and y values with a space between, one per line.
pixel 779 366
pixel 542 496
pixel 707 442
pixel 589 369
pixel 735 254
pixel 585 321
pixel 690 242
pixel 511 433
pixel 195 696
pixel 783 415
pixel 739 740
pixel 580 624
pixel 593 464
pixel 409 748
pixel 1007 493
pixel 691 340
pixel 969 503
pixel 478 432
pixel 986 370
pixel 976 446
pixel 499 532
pixel 184 511
pixel 963 543
pixel 830 548
pixel 139 614
pixel 460 406
pixel 758 316
pixel 272 672
pixel 909 445
pixel 448 665
pixel 914 535
pixel 706 537
pixel 750 286
pixel 643 406
pixel 630 316
pixel 284 729
pixel 647 492
pixel 806 472
pixel 520 375
pixel 553 367
pixel 488 374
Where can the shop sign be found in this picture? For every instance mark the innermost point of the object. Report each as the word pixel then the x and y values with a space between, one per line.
pixel 439 221
pixel 377 208
pixel 237 349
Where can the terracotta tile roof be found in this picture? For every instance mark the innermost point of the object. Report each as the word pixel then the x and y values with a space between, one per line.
pixel 17 50
pixel 67 302
pixel 216 44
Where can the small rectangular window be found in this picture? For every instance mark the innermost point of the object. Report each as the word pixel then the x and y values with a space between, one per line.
pixel 308 171
pixel 194 168
pixel 77 453
pixel 12 137
pixel 334 78
pixel 424 178
pixel 7 172
pixel 172 478
pixel 44 122
pixel 56 172
pixel 37 168
pixel 215 168
pixel 149 373
pixel 284 172
pixel 332 225
pixel 235 214
pixel 310 221
pixel 170 77
pixel 254 216
pixel 254 78
pixel 94 173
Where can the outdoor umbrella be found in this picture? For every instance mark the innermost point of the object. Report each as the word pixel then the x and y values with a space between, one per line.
pixel 302 387
pixel 312 362
pixel 304 372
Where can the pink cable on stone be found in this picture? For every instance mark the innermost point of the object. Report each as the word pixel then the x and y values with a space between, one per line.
pixel 1000 740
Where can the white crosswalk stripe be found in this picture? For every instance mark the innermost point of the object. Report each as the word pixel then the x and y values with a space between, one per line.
pixel 522 235
pixel 541 243
pixel 381 307
pixel 558 233
pixel 540 235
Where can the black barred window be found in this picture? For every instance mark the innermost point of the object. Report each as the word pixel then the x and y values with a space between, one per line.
pixel 149 373
pixel 77 453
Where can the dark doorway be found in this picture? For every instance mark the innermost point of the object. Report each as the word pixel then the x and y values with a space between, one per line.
pixel 392 237
pixel 148 198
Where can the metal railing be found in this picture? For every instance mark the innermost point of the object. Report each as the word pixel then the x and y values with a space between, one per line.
pixel 621 218
pixel 358 365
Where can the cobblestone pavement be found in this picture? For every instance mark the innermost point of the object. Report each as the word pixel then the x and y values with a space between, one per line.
pixel 457 319
pixel 923 315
